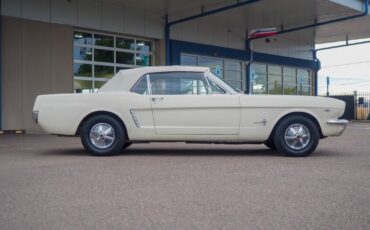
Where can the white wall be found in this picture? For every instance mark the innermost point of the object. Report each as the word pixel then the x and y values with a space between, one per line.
pixel 93 14
pixel 115 17
pixel 295 45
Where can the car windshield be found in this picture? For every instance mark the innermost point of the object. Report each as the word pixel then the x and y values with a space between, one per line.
pixel 220 81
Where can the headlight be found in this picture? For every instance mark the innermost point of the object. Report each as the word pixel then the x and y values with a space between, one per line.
pixel 35 115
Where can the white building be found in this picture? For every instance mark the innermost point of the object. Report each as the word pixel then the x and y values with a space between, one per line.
pixel 64 46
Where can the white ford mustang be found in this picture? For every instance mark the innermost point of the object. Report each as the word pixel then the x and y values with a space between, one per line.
pixel 187 104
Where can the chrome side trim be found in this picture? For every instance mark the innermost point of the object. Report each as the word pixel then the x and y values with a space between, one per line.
pixel 136 121
pixel 337 122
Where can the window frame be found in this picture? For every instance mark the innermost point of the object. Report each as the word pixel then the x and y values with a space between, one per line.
pixel 206 75
pixel 116 66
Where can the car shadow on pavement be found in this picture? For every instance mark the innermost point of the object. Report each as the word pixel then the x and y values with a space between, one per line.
pixel 137 151
pixel 199 152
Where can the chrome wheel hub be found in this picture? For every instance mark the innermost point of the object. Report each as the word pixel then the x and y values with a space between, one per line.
pixel 297 136
pixel 102 135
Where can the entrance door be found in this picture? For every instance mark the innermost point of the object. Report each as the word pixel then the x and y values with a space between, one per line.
pixel 182 104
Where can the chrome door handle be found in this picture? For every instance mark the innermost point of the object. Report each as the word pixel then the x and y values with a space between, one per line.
pixel 157 99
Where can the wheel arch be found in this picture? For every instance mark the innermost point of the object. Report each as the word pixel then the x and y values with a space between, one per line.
pixel 102 112
pixel 304 114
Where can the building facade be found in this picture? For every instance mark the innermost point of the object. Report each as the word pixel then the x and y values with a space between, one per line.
pixel 66 46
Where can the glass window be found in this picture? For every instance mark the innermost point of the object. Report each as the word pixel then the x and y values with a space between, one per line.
pixel 259 88
pixel 82 38
pixel 233 65
pixel 275 89
pixel 290 89
pixel 97 57
pixel 216 89
pixel 141 87
pixel 103 40
pixel 233 75
pixel 273 69
pixel 289 71
pixel 143 59
pixel 178 83
pixel 237 85
pixel 125 58
pixel 189 60
pixel 82 70
pixel 259 68
pixel 103 71
pixel 82 53
pixel 274 79
pixel 210 62
pixel 143 46
pixel 103 55
pixel 125 43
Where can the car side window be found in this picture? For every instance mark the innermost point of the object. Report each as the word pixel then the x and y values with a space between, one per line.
pixel 141 87
pixel 216 89
pixel 179 83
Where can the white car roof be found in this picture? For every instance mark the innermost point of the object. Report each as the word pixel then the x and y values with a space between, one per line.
pixel 125 79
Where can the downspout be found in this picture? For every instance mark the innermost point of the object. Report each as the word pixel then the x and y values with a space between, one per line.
pixel 316 24
pixel 168 24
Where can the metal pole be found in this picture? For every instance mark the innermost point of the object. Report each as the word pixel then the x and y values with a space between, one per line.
pixel 327 86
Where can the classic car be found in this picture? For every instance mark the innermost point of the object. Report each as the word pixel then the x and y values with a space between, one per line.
pixel 187 104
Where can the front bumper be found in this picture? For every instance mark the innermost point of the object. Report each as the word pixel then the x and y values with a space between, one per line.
pixel 342 123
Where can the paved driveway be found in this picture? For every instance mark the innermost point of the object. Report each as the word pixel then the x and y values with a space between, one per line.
pixel 49 182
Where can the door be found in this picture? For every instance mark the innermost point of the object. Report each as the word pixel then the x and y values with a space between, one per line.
pixel 183 104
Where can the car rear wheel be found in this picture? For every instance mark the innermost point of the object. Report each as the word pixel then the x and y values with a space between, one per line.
pixel 296 136
pixel 102 135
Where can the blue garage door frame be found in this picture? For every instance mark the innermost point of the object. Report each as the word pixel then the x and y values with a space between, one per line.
pixel 178 47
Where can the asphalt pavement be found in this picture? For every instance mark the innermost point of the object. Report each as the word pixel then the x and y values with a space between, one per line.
pixel 49 182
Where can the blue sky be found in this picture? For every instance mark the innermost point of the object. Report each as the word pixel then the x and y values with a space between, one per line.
pixel 347 67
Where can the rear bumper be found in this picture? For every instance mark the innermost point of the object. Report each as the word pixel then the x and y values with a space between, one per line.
pixel 340 123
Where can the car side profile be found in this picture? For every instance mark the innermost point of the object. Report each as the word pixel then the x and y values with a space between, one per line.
pixel 187 104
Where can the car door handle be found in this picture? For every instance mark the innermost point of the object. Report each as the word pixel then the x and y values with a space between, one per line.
pixel 157 99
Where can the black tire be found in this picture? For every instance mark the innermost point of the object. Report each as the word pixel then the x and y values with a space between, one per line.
pixel 126 145
pixel 115 145
pixel 296 136
pixel 270 144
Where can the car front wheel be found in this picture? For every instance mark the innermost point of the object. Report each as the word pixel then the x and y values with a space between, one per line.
pixel 296 136
pixel 102 135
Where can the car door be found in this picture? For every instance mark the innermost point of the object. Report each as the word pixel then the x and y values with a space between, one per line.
pixel 183 104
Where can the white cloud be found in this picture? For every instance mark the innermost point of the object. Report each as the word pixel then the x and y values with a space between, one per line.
pixel 348 69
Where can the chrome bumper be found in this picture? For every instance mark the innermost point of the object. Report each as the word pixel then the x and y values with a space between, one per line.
pixel 35 115
pixel 339 122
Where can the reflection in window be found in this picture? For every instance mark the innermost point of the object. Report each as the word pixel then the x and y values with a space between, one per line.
pixel 82 53
pixel 125 43
pixel 103 40
pixel 82 38
pixel 97 57
pixel 178 83
pixel 281 80
pixel 103 55
pixel 82 70
pixel 104 71
pixel 125 58
pixel 228 70
pixel 141 87
pixel 143 59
